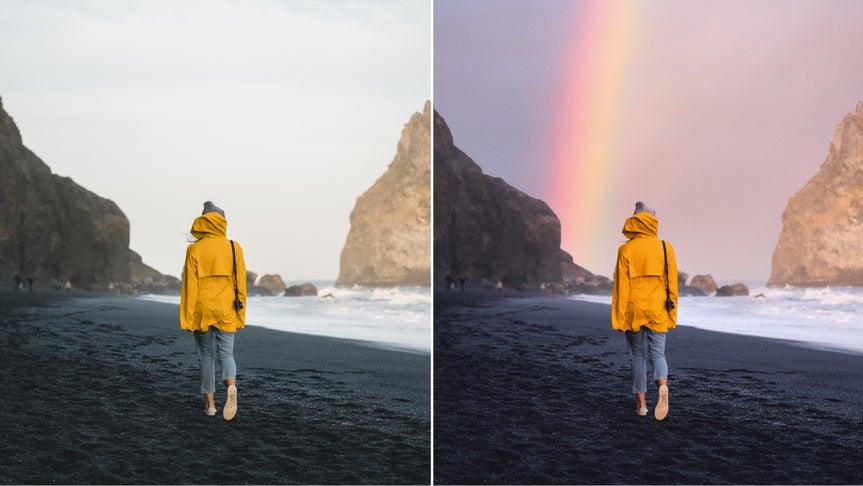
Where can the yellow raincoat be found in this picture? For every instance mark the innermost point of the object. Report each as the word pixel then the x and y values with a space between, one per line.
pixel 207 298
pixel 639 279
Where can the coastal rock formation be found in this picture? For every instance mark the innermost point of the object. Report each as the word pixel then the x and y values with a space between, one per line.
pixel 682 277
pixel 52 228
pixel 485 229
pixel 704 283
pixel 251 278
pixel 689 290
pixel 148 280
pixel 252 289
pixel 578 280
pixel 822 226
pixel 732 290
pixel 273 283
pixel 388 243
pixel 303 290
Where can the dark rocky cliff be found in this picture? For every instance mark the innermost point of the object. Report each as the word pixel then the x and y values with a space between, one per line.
pixel 487 230
pixel 388 243
pixel 821 242
pixel 52 228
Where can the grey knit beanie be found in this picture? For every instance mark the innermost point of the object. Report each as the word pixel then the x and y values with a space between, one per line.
pixel 209 207
pixel 640 207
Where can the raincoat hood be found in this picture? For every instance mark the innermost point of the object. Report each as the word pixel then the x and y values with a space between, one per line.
pixel 642 224
pixel 210 224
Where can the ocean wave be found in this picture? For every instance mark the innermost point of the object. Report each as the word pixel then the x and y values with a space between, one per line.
pixel 397 318
pixel 401 296
pixel 824 317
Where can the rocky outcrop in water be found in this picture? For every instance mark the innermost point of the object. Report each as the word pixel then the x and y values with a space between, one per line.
pixel 307 289
pixel 683 289
pixel 388 243
pixel 682 277
pixel 737 289
pixel 251 278
pixel 52 228
pixel 252 289
pixel 821 242
pixel 272 283
pixel 704 283
pixel 487 230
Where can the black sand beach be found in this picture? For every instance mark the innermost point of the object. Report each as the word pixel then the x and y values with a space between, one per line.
pixel 105 390
pixel 536 390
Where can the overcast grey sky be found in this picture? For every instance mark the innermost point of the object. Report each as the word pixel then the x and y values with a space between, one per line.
pixel 281 112
pixel 730 108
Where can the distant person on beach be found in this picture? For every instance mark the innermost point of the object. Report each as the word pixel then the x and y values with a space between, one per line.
pixel 68 285
pixel 213 303
pixel 644 303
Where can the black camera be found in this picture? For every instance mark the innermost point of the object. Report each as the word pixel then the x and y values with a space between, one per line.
pixel 669 304
pixel 238 304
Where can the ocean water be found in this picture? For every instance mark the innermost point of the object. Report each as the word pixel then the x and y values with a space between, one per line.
pixel 827 318
pixel 397 318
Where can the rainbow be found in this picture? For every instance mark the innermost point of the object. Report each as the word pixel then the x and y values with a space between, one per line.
pixel 586 131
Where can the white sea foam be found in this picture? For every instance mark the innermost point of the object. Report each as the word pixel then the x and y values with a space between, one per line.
pixel 393 317
pixel 828 317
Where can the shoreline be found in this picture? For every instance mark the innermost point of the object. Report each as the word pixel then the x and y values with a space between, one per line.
pixel 106 390
pixel 298 312
pixel 824 345
pixel 536 390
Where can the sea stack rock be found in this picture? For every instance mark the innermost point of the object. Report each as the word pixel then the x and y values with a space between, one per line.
pixel 52 228
pixel 682 277
pixel 273 283
pixel 251 278
pixel 304 290
pixel 388 243
pixel 485 229
pixel 704 283
pixel 821 243
pixel 737 289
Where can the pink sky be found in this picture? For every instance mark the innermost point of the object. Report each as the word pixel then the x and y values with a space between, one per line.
pixel 729 110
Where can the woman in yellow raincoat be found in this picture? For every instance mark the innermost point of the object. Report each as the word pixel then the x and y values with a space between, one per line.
pixel 644 303
pixel 213 303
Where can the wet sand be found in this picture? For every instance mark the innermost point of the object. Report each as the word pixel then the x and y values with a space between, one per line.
pixel 535 390
pixel 105 390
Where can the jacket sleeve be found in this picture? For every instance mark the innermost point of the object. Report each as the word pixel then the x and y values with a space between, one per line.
pixel 241 282
pixel 189 292
pixel 672 283
pixel 620 295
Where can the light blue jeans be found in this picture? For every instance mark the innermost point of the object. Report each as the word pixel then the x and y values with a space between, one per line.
pixel 209 344
pixel 643 345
